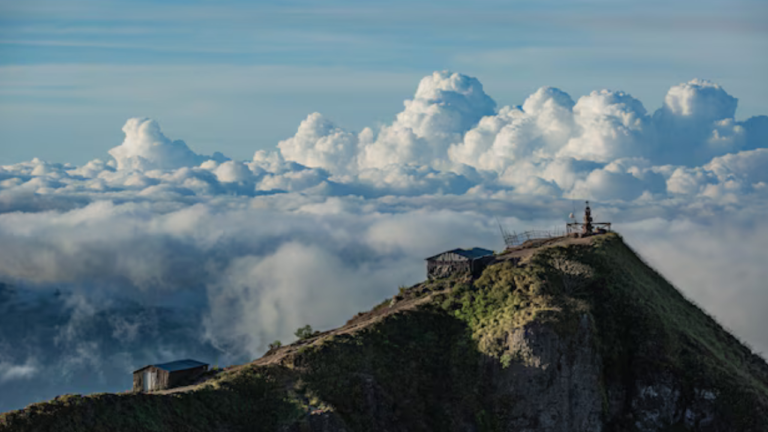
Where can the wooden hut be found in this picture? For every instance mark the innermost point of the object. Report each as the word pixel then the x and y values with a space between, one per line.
pixel 167 375
pixel 468 261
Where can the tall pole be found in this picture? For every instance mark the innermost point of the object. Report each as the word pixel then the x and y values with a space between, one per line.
pixel 587 228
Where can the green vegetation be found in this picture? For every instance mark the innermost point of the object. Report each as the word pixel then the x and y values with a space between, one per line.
pixel 275 345
pixel 646 327
pixel 507 297
pixel 305 332
pixel 417 368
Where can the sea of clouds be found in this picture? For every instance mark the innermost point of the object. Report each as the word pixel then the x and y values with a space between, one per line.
pixel 156 253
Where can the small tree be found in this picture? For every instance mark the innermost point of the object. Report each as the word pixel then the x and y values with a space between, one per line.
pixel 275 345
pixel 305 332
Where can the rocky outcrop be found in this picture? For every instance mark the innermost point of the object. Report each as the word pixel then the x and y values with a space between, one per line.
pixel 556 384
pixel 553 383
pixel 659 403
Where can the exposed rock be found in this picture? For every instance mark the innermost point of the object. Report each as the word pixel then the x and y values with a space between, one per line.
pixel 554 383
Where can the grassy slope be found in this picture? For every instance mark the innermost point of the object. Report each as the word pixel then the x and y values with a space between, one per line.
pixel 420 368
pixel 646 326
pixel 252 400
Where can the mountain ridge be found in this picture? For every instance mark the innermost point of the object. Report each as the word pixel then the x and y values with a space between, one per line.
pixel 578 335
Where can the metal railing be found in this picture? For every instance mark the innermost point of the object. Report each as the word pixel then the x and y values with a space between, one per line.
pixel 516 239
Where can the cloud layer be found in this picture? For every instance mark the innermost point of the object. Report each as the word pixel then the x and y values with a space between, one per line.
pixel 100 259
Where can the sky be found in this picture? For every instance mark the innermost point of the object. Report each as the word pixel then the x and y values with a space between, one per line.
pixel 199 179
pixel 234 76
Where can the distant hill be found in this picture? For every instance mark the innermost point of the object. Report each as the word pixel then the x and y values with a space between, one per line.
pixel 571 335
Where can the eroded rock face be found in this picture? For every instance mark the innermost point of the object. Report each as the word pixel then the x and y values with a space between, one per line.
pixel 552 384
pixel 659 403
pixel 555 384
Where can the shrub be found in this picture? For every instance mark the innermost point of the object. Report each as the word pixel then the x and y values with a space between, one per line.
pixel 305 332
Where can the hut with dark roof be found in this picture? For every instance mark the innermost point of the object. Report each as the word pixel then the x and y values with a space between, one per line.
pixel 467 261
pixel 167 375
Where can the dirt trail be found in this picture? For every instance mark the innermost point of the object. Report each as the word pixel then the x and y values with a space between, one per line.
pixel 277 356
pixel 524 251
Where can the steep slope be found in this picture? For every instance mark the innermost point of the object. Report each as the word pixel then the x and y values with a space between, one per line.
pixel 578 336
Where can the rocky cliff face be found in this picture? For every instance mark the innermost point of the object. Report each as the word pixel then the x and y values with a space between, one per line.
pixel 571 336
pixel 553 383
pixel 557 384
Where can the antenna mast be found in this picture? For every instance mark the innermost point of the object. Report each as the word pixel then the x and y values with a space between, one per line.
pixel 509 240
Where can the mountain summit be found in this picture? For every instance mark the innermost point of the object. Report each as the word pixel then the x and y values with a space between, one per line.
pixel 564 335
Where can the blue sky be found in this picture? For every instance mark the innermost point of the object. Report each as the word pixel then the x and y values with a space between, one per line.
pixel 239 76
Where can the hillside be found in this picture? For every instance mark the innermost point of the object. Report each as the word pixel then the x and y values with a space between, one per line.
pixel 581 335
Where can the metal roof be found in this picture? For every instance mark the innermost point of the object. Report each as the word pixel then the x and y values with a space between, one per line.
pixel 177 365
pixel 473 253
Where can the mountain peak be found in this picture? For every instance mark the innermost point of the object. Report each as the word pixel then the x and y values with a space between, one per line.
pixel 564 335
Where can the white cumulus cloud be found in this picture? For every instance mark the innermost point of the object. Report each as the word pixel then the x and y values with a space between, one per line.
pixel 145 147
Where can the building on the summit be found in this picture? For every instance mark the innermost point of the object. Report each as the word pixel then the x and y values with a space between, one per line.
pixel 467 261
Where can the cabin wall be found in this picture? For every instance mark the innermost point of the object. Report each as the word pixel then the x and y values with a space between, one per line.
pixel 138 379
pixel 442 266
pixel 137 382
pixel 184 377
pixel 161 379
pixel 441 269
